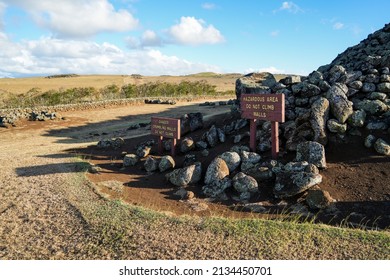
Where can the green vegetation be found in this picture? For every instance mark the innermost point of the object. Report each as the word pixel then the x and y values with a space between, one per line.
pixel 34 97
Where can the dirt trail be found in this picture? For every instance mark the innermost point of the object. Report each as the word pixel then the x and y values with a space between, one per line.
pixel 39 218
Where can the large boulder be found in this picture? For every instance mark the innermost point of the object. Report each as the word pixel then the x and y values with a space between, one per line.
pixel 289 184
pixel 151 164
pixel 340 106
pixel 217 188
pixel 319 117
pixel 183 177
pixel 191 122
pixel 211 136
pixel 312 152
pixel 166 163
pixel 318 199
pixel 232 160
pixel 217 170
pixel 130 160
pixel 255 83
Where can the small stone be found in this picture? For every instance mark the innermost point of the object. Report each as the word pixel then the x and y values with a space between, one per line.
pixel 377 95
pixel 201 145
pixel 186 145
pixel 189 159
pixel 376 125
pixel 384 87
pixel 256 207
pixel 336 127
pixel 382 147
pixel 205 153
pixel 369 141
pixel 289 184
pixel 182 177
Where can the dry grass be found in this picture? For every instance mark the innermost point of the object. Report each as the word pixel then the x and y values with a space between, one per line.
pixel 23 85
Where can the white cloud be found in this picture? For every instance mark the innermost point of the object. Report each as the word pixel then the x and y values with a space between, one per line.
pixel 192 31
pixel 2 8
pixel 53 56
pixel 270 69
pixel 148 39
pixel 275 33
pixel 77 18
pixel 208 6
pixel 290 7
pixel 338 25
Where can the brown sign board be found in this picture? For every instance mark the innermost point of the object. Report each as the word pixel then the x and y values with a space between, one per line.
pixel 165 127
pixel 269 107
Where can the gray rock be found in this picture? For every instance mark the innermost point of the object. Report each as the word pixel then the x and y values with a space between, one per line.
pixel 212 136
pixel 264 145
pixel 318 199
pixel 205 153
pixel 250 157
pixel 167 145
pixel 185 176
pixel 239 137
pixel 256 207
pixel 368 87
pixel 240 123
pixel 356 85
pixel 373 107
pixel 315 77
pixel 243 183
pixel 337 74
pixel 217 170
pixel 324 86
pixel 319 117
pixel 336 127
pixel 293 79
pixel 189 159
pixel 300 166
pixel 201 145
pixel 191 122
pixel 187 145
pixel 289 184
pixel 377 95
pixel 357 119
pixel 151 164
pixel 166 163
pixel 143 152
pixel 255 83
pixel 340 106
pixel 104 144
pixel 260 173
pixel 353 76
pixel 382 147
pixel 232 160
pixel 384 78
pixel 239 149
pixel 384 87
pixel 221 135
pixel 130 160
pixel 372 78
pixel 217 188
pixel 312 152
pixel 377 125
pixel 305 89
pixel 369 141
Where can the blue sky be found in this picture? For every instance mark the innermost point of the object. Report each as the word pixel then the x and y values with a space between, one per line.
pixel 179 37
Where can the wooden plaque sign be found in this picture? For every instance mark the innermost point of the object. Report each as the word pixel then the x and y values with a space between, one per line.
pixel 269 107
pixel 166 127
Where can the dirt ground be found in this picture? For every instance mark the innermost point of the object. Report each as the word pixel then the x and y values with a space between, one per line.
pixel 357 178
pixel 39 219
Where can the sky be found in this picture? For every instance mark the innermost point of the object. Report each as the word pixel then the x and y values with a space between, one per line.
pixel 180 37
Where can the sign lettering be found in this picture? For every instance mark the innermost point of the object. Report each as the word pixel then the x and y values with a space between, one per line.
pixel 165 127
pixel 268 107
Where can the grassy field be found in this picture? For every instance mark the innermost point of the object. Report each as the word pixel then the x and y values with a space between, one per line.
pixel 22 85
pixel 42 91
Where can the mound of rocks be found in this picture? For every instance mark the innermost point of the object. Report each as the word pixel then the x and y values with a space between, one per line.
pixel 351 93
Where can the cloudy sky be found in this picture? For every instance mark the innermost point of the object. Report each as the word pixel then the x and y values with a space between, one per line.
pixel 176 37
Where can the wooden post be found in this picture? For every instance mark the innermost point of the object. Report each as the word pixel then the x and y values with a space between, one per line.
pixel 160 145
pixel 275 139
pixel 173 147
pixel 253 130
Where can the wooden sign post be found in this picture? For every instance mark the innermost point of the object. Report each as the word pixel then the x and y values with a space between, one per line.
pixel 168 128
pixel 269 107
